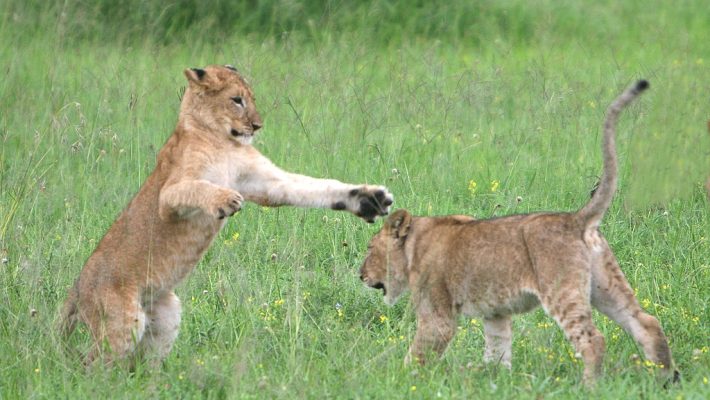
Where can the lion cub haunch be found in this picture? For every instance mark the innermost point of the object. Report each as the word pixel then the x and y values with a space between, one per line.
pixel 204 172
pixel 498 267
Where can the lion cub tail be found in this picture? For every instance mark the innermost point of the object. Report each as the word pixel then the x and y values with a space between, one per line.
pixel 69 314
pixel 593 212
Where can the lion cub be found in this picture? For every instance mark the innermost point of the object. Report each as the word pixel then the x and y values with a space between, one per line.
pixel 494 268
pixel 204 172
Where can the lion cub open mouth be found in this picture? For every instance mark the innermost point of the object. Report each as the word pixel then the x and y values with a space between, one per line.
pixel 495 268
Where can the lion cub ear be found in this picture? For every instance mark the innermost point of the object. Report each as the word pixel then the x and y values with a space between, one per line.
pixel 399 223
pixel 196 75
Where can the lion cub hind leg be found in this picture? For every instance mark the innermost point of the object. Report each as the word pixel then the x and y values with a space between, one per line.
pixel 562 266
pixel 571 309
pixel 162 327
pixel 119 324
pixel 612 295
pixel 498 335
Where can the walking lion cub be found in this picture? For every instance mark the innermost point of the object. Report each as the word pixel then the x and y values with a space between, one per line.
pixel 498 267
pixel 204 172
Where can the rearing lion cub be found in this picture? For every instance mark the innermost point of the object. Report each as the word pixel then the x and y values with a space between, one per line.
pixel 204 172
pixel 502 266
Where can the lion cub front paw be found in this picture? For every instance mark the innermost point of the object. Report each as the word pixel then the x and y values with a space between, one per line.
pixel 370 201
pixel 226 203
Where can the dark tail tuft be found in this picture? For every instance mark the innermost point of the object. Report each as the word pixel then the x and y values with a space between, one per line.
pixel 642 85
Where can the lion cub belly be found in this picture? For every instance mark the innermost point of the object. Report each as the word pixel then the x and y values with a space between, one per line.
pixel 521 302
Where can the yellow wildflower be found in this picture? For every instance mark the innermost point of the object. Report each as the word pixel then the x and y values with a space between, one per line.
pixel 472 187
pixel 494 185
pixel 232 239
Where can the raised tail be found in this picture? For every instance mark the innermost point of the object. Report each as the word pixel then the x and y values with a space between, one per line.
pixel 593 212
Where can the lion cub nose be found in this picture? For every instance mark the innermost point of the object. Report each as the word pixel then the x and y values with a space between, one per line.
pixel 256 126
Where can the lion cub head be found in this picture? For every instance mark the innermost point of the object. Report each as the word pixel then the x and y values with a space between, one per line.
pixel 220 100
pixel 386 265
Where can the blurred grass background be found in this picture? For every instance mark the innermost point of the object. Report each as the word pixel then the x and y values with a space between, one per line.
pixel 422 97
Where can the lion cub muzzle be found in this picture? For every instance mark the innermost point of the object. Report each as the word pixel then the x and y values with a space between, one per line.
pixel 255 126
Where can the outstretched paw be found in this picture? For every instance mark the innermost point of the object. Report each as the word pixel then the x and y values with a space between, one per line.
pixel 371 202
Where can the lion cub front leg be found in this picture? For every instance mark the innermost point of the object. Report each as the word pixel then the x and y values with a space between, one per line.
pixel 498 335
pixel 182 198
pixel 433 336
pixel 436 326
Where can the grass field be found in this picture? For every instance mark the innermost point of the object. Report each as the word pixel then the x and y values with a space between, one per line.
pixel 424 99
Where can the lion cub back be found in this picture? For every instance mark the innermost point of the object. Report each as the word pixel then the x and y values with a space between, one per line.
pixel 484 264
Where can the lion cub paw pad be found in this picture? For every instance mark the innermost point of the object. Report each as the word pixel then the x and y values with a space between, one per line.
pixel 372 202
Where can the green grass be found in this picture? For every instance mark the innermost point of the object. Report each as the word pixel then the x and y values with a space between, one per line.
pixel 422 99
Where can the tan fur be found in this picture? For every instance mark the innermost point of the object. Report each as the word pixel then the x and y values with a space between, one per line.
pixel 498 267
pixel 204 172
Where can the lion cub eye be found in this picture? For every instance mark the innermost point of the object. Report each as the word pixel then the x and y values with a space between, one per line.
pixel 238 100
